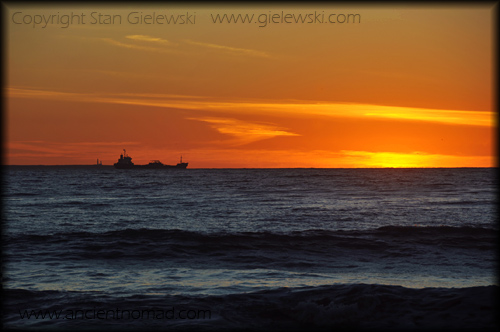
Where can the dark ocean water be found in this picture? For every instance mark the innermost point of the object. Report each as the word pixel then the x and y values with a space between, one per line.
pixel 257 248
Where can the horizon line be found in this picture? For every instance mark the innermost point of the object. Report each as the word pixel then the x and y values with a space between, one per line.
pixel 94 165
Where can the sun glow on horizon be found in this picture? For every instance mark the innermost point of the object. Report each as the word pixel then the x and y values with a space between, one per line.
pixel 417 160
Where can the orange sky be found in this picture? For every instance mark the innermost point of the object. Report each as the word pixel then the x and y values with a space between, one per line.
pixel 407 86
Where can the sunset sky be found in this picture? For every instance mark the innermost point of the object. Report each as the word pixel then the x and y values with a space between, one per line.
pixel 401 86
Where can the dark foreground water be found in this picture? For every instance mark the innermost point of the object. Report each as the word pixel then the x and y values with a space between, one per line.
pixel 281 249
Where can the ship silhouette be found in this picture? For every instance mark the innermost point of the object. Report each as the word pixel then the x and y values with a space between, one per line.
pixel 125 162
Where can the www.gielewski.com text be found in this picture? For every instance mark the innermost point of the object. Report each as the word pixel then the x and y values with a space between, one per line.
pixel 65 20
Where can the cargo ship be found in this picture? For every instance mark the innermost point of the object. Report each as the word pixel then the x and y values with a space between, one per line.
pixel 125 162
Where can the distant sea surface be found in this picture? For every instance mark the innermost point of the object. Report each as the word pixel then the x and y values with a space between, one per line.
pixel 249 248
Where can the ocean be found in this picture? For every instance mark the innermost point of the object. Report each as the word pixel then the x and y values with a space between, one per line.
pixel 89 247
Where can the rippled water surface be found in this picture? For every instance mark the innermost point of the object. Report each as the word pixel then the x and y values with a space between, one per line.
pixel 125 233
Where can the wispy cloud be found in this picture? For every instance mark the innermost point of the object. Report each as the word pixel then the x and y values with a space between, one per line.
pixel 67 150
pixel 149 39
pixel 63 147
pixel 158 96
pixel 144 42
pixel 244 132
pixel 40 94
pixel 138 47
pixel 229 49
pixel 352 110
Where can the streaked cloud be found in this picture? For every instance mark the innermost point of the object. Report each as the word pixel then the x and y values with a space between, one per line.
pixel 229 49
pixel 149 39
pixel 40 94
pixel 67 150
pixel 458 117
pixel 444 116
pixel 56 147
pixel 158 96
pixel 244 132
pixel 137 47
pixel 165 46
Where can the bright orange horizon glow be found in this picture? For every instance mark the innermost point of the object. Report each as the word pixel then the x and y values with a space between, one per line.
pixel 406 87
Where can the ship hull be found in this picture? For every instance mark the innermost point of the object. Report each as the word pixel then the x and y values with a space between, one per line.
pixel 178 166
pixel 123 166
